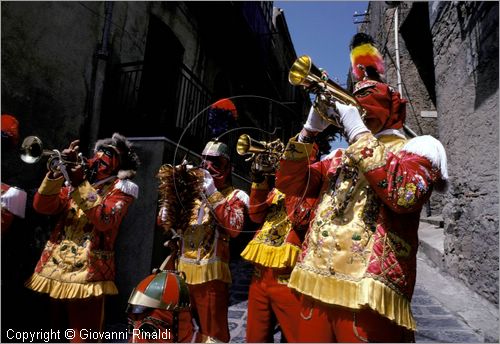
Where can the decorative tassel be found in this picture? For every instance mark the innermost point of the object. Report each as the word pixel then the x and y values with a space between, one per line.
pixel 179 189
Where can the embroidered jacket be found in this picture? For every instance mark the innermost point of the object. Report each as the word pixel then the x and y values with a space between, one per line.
pixel 78 259
pixel 277 243
pixel 360 249
pixel 205 243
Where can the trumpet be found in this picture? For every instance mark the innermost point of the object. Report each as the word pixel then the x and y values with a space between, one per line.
pixel 32 151
pixel 265 154
pixel 304 73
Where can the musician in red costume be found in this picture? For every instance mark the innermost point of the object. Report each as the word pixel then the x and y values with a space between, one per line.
pixel 357 268
pixel 77 268
pixel 204 246
pixel 273 251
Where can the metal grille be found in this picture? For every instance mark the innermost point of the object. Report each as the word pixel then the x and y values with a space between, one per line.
pixel 192 97
pixel 127 95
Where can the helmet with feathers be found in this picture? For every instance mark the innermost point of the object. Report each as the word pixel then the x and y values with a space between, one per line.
pixel 129 161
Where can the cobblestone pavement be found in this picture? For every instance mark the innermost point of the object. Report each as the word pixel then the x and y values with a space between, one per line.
pixel 435 324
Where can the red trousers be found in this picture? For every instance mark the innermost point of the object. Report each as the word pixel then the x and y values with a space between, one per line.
pixel 78 314
pixel 323 323
pixel 210 302
pixel 270 300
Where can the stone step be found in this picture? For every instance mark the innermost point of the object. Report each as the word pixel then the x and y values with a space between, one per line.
pixel 434 220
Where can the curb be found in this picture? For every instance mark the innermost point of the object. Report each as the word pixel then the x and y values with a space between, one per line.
pixel 431 243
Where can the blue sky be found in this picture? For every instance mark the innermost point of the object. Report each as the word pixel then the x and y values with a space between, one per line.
pixel 323 30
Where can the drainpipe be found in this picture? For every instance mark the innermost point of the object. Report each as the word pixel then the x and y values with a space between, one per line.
pixel 396 46
pixel 102 55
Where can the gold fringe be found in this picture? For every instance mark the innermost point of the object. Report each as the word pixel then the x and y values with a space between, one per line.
pixel 271 256
pixel 68 290
pixel 201 273
pixel 355 295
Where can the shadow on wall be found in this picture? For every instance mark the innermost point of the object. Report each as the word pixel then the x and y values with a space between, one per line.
pixel 480 32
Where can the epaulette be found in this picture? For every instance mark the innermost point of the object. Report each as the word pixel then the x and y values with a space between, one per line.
pixel 128 187
pixel 430 148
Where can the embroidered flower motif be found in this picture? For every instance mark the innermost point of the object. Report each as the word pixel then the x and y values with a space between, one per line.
pixel 407 195
pixel 382 184
pixel 367 152
pixel 92 196
pixel 421 186
pixel 118 206
pixel 357 247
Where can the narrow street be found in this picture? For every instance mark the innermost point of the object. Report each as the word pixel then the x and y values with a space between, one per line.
pixel 436 306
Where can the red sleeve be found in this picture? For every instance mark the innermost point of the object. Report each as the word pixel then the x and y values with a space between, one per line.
pixel 51 198
pixel 230 212
pixel 109 214
pixel 260 200
pixel 295 175
pixel 403 181
pixel 299 209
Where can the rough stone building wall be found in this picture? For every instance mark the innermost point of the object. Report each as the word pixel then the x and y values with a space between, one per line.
pixel 465 39
pixel 46 74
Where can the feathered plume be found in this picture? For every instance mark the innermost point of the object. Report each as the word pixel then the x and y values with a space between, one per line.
pixel 222 116
pixel 366 60
pixel 180 187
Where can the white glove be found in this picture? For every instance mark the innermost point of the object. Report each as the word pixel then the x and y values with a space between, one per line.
pixel 315 122
pixel 351 120
pixel 163 214
pixel 208 184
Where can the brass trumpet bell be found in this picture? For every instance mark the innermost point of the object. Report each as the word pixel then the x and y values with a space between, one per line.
pixel 246 145
pixel 32 150
pixel 304 73
pixel 264 155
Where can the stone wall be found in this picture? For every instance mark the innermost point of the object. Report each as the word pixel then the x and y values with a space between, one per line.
pixel 465 39
pixel 47 74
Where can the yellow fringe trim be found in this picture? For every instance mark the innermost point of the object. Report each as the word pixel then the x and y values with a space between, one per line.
pixel 355 295
pixel 68 290
pixel 201 273
pixel 271 256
